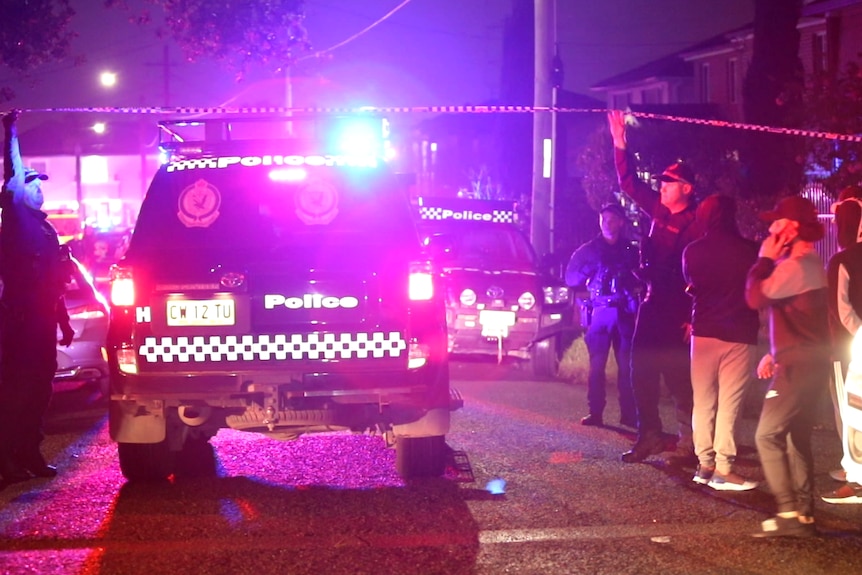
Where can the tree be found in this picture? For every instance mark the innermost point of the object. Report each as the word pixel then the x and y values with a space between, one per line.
pixel 32 33
pixel 834 105
pixel 772 96
pixel 237 33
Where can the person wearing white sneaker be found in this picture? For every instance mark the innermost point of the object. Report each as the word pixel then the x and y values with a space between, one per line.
pixel 724 338
pixel 731 482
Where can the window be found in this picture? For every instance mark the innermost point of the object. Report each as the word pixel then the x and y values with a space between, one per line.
pixel 705 95
pixel 652 96
pixel 732 82
pixel 819 62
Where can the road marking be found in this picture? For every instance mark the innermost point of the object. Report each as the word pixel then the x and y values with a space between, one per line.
pixel 612 532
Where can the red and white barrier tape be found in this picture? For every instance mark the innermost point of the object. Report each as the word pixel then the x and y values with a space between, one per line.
pixel 192 111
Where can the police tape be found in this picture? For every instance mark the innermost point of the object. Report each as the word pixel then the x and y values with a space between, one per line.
pixel 287 111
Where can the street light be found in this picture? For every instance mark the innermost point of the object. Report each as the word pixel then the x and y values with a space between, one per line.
pixel 108 79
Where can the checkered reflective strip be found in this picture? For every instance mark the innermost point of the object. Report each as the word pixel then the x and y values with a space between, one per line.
pixel 276 347
pixel 503 216
pixel 430 213
pixel 437 213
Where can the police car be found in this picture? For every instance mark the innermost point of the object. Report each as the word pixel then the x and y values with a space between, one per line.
pixel 498 302
pixel 275 285
pixel 850 404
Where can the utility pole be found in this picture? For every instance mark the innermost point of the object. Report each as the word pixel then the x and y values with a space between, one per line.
pixel 166 64
pixel 544 138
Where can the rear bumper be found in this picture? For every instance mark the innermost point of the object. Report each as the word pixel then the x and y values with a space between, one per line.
pixel 142 406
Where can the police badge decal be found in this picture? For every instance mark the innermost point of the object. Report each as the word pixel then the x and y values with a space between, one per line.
pixel 199 205
pixel 317 203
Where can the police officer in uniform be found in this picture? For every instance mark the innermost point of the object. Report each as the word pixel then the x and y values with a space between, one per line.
pixel 33 273
pixel 605 266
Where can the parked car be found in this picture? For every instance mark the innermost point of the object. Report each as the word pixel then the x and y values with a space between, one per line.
pixel 84 362
pixel 499 300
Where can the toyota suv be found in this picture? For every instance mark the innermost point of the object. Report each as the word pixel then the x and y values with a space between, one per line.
pixel 499 301
pixel 275 285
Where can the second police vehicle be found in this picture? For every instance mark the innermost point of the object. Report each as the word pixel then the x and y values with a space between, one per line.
pixel 498 300
pixel 275 283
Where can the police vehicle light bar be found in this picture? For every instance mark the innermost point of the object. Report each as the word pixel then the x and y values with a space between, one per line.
pixel 464 210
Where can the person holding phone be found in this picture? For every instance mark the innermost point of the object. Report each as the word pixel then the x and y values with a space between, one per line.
pixel 789 281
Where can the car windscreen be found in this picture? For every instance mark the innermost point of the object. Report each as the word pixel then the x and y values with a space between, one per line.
pixel 243 210
pixel 471 245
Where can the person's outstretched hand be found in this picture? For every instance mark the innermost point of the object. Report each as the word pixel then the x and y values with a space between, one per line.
pixel 617 125
pixel 9 118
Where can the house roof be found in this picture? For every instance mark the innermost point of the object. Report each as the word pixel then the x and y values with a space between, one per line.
pixel 819 7
pixel 672 66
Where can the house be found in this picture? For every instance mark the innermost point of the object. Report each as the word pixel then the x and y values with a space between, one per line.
pixel 712 72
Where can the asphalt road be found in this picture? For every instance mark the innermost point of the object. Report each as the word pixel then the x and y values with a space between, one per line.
pixel 531 491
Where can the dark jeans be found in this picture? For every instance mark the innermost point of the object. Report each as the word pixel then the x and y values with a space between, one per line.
pixel 610 327
pixel 783 434
pixel 659 351
pixel 27 367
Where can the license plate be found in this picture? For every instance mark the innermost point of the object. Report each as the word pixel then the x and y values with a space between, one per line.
pixel 207 312
pixel 496 323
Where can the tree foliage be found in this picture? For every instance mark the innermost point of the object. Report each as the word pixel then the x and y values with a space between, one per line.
pixel 240 34
pixel 772 96
pixel 834 105
pixel 32 33
pixel 713 153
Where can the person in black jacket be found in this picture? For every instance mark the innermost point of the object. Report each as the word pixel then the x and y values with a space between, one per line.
pixel 660 345
pixel 605 267
pixel 724 339
pixel 33 274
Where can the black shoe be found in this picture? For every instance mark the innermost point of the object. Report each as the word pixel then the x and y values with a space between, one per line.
pixel 592 420
pixel 642 449
pixel 11 472
pixel 35 464
pixel 787 527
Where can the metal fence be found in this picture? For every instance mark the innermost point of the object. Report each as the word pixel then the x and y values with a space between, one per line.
pixel 828 246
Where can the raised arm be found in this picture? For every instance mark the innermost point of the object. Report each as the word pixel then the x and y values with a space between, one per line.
pixel 630 183
pixel 13 165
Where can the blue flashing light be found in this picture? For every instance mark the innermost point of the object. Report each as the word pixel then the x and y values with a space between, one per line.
pixel 359 137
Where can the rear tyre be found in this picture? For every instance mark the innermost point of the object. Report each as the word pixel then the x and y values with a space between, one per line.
pixel 145 461
pixel 420 456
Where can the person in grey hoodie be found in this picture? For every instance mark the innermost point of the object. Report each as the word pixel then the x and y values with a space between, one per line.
pixel 789 280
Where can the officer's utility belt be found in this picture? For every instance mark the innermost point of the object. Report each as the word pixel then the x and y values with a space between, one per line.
pixel 608 301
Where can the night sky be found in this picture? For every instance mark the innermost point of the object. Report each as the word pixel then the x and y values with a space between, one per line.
pixel 431 52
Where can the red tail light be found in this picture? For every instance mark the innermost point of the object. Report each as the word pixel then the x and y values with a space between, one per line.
pixel 122 286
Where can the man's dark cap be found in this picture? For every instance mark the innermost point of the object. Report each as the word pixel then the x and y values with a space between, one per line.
pixel 797 209
pixel 30 174
pixel 615 209
pixel 677 172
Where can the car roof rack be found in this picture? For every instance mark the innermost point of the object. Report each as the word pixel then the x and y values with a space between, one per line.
pixel 235 133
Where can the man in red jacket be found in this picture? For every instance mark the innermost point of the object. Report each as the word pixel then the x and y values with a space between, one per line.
pixel 660 343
